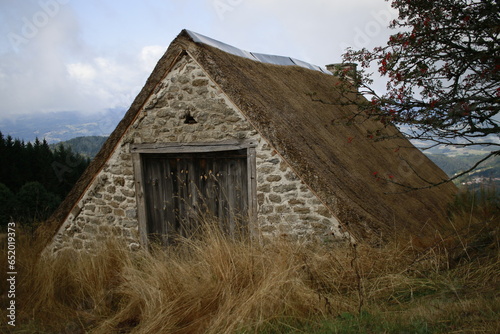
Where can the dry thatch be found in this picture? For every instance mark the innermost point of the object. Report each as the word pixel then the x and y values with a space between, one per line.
pixel 351 173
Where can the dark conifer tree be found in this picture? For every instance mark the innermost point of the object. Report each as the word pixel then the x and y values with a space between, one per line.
pixel 34 179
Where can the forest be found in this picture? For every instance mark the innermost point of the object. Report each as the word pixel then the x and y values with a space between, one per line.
pixel 34 178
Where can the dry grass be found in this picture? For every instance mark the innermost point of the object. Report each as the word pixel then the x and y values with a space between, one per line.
pixel 217 285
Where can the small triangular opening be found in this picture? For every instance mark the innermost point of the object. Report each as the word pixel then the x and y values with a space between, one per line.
pixel 189 119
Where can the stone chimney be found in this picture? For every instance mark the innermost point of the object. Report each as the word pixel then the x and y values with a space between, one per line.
pixel 349 70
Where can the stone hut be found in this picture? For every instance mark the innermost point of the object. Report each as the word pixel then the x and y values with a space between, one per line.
pixel 222 131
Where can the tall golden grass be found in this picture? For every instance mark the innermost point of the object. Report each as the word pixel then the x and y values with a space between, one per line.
pixel 214 284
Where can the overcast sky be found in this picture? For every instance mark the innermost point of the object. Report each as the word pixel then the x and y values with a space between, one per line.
pixel 68 55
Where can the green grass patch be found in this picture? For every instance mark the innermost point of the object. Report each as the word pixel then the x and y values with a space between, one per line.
pixel 348 323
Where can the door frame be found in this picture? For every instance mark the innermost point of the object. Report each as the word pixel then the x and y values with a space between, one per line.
pixel 139 150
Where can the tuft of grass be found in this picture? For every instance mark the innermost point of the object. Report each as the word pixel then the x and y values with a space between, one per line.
pixel 215 284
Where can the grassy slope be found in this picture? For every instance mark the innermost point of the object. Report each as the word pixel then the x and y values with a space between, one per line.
pixel 215 285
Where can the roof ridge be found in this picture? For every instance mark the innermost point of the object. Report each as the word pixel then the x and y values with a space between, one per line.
pixel 260 57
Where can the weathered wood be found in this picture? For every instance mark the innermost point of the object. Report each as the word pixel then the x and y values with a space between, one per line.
pixel 181 187
pixel 252 189
pixel 141 204
pixel 227 145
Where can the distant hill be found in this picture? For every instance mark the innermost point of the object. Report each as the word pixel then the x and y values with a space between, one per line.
pixel 487 174
pixel 458 163
pixel 87 146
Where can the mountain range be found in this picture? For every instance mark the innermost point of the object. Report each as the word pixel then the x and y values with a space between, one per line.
pixel 85 134
pixel 61 126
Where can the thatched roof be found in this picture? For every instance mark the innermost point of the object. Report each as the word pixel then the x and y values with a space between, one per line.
pixel 350 172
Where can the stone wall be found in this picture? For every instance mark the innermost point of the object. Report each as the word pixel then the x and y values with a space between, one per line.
pixel 286 206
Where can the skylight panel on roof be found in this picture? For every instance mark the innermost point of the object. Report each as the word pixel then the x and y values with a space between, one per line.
pixel 219 45
pixel 271 59
pixel 263 58
pixel 305 64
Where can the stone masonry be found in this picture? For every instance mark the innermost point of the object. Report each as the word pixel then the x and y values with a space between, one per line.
pixel 286 206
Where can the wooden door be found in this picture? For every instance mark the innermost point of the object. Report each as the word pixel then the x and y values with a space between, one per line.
pixel 181 188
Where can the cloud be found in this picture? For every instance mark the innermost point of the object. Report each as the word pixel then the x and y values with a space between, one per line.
pixel 110 82
pixel 53 69
pixel 150 55
pixel 36 38
pixel 81 72
pixel 86 56
pixel 316 31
